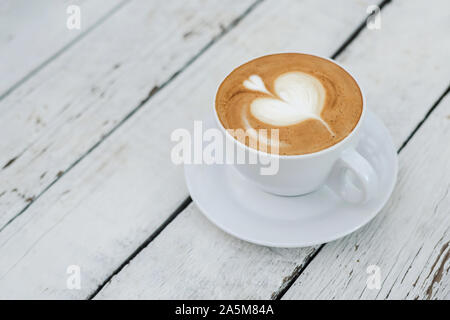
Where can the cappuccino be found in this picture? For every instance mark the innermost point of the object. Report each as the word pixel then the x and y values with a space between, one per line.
pixel 312 102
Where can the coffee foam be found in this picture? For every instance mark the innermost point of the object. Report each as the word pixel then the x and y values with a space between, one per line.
pixel 311 101
pixel 298 96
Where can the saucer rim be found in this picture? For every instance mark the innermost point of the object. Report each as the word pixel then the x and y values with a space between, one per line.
pixel 335 236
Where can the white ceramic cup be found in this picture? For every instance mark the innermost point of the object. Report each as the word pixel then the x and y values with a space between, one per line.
pixel 340 167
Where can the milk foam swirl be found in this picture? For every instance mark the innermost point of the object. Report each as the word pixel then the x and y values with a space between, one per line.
pixel 298 96
pixel 309 103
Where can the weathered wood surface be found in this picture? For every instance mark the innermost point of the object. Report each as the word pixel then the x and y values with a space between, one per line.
pixel 102 209
pixel 63 111
pixel 410 51
pixel 33 32
pixel 109 203
pixel 183 271
pixel 409 241
pixel 202 262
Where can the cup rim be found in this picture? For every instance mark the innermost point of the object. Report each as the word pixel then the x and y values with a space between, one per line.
pixel 306 155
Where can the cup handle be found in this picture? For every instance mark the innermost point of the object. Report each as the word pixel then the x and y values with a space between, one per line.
pixel 353 178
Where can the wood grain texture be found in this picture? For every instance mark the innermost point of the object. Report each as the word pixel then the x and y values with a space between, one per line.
pixel 403 67
pixel 407 91
pixel 62 112
pixel 409 241
pixel 32 32
pixel 229 268
pixel 109 203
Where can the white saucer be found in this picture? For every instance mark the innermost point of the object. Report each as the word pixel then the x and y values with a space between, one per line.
pixel 248 213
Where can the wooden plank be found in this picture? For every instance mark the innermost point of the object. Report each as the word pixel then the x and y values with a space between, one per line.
pixel 229 268
pixel 148 277
pixel 409 241
pixel 33 32
pixel 403 52
pixel 62 112
pixel 109 203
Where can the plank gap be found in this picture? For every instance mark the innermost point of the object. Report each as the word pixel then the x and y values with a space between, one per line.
pixel 143 245
pixel 357 31
pixel 294 275
pixel 424 118
pixel 62 50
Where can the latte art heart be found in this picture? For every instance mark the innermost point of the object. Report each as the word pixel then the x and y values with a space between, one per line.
pixel 308 103
pixel 298 96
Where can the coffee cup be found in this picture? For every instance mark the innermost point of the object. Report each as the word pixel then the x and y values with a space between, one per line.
pixel 339 166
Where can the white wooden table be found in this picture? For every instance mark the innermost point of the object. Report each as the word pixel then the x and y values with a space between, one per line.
pixel 86 181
